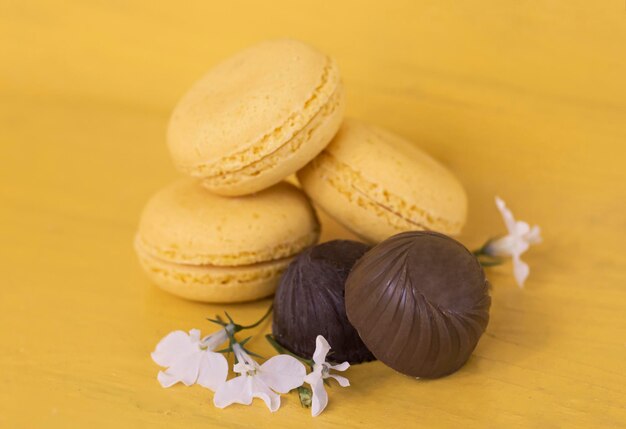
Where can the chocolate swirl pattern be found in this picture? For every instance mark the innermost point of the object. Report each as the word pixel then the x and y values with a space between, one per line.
pixel 419 300
pixel 310 301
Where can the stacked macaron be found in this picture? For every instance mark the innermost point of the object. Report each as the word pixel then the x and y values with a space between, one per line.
pixel 228 231
pixel 205 247
pixel 378 184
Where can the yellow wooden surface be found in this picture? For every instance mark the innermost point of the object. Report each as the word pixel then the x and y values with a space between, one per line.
pixel 520 98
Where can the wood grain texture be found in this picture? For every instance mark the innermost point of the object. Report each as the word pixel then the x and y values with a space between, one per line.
pixel 521 99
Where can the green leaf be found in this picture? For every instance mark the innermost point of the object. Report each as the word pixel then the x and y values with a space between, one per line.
pixel 244 341
pixel 258 322
pixel 217 322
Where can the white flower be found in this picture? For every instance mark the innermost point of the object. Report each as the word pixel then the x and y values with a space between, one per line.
pixel 278 374
pixel 321 370
pixel 191 360
pixel 518 240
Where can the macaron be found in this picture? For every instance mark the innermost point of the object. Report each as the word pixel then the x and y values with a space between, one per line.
pixel 257 117
pixel 209 248
pixel 378 184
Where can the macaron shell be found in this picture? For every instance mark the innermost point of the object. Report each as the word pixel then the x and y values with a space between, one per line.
pixel 186 224
pixel 249 106
pixel 287 159
pixel 378 184
pixel 353 210
pixel 214 284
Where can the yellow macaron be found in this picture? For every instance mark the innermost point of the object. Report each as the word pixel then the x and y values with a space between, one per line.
pixel 378 184
pixel 257 117
pixel 204 247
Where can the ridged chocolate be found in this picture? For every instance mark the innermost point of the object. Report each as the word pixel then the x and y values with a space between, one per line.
pixel 310 301
pixel 420 302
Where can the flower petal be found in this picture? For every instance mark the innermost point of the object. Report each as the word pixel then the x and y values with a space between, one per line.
pixel 507 215
pixel 340 367
pixel 261 390
pixel 185 370
pixel 502 246
pixel 320 398
pixel 282 373
pixel 520 270
pixel 321 350
pixel 173 347
pixel 213 370
pixel 215 339
pixel 343 381
pixel 534 235
pixel 194 334
pixel 313 376
pixel 521 228
pixel 242 357
pixel 236 390
pixel 519 246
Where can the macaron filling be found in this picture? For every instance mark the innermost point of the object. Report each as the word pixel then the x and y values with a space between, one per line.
pixel 214 274
pixel 177 255
pixel 209 283
pixel 285 151
pixel 396 211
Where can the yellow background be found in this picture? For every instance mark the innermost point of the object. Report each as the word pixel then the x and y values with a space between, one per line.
pixel 522 99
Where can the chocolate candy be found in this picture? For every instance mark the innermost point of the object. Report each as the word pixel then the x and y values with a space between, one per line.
pixel 420 302
pixel 309 301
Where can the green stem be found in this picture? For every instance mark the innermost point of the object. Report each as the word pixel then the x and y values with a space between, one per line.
pixel 481 250
pixel 258 322
pixel 492 263
pixel 232 328
pixel 280 349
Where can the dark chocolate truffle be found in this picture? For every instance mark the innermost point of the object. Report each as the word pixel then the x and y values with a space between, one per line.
pixel 420 302
pixel 310 301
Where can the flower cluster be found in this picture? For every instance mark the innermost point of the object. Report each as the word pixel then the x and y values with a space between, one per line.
pixel 519 238
pixel 190 359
